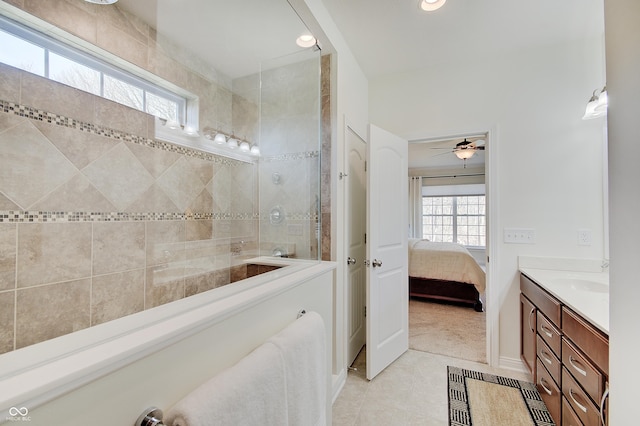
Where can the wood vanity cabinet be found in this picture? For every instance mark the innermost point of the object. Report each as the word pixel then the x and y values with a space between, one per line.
pixel 568 357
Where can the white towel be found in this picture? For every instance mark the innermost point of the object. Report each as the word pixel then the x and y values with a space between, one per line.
pixel 302 344
pixel 252 392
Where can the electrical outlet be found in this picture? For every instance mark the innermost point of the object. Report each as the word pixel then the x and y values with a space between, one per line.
pixel 519 235
pixel 584 237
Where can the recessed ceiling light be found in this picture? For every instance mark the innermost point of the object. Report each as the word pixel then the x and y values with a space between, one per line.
pixel 101 1
pixel 306 40
pixel 431 5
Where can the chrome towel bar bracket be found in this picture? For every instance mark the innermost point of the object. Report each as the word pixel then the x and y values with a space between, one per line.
pixel 152 416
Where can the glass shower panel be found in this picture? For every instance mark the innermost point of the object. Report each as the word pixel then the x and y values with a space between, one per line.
pixel 290 142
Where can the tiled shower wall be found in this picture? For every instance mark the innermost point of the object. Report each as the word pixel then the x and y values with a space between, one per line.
pixel 99 219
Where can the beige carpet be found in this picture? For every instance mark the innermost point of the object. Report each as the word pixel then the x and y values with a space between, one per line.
pixel 456 331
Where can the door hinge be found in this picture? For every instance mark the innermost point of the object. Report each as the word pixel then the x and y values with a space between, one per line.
pixel 365 166
pixel 365 238
pixel 365 311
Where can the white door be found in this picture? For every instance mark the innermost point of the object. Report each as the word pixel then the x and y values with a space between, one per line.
pixel 356 195
pixel 387 228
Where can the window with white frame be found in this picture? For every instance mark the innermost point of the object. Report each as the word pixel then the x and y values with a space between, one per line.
pixel 458 217
pixel 32 51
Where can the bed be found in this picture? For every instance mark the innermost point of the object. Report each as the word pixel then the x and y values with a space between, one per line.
pixel 445 271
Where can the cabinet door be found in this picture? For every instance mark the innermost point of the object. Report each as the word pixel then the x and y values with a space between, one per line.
pixel 528 334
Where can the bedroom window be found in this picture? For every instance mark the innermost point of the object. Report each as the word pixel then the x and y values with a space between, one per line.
pixel 34 52
pixel 457 219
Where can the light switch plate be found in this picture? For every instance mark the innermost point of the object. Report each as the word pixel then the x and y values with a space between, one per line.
pixel 519 235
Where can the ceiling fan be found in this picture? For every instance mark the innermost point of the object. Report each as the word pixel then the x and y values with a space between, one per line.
pixel 466 149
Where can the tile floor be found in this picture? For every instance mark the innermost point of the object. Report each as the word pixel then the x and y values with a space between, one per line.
pixel 411 391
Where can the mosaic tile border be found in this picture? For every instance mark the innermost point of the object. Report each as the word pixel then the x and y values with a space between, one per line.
pixel 21 216
pixel 292 156
pixel 60 120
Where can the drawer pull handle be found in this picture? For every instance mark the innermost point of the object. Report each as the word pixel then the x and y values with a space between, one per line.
pixel 546 389
pixel 546 331
pixel 575 364
pixel 530 314
pixel 580 406
pixel 546 357
pixel 605 395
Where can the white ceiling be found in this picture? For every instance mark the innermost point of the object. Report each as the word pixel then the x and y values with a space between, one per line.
pixel 234 37
pixel 392 36
pixel 386 36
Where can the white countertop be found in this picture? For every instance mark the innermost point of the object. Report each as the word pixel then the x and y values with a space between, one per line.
pixel 591 305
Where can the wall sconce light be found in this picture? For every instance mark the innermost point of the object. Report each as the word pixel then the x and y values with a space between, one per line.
pixel 244 146
pixel 232 143
pixel 431 5
pixel 101 1
pixel 191 131
pixel 597 105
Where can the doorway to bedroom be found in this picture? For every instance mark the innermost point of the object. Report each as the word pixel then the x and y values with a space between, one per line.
pixel 448 246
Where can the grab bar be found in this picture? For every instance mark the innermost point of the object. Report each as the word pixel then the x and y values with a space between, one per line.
pixel 152 416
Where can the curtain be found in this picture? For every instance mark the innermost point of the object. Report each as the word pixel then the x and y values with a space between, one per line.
pixel 415 207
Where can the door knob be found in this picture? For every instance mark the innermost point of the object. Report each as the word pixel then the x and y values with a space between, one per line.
pixel 351 261
pixel 376 262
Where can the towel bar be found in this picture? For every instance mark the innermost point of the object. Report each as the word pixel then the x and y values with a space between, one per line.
pixel 152 416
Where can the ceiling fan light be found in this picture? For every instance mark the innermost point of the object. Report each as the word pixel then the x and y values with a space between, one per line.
pixel 431 5
pixel 464 154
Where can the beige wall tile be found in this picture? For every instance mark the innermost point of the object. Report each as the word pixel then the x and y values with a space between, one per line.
pixel 153 200
pixel 7 310
pixel 201 229
pixel 181 183
pixel 38 92
pixel 7 204
pixel 76 195
pixel 44 251
pixel 204 282
pixel 155 160
pixel 30 166
pixel 122 44
pixel 9 83
pixel 119 176
pixel 81 148
pixel 117 295
pixel 119 117
pixel 163 285
pixel 118 246
pixel 165 242
pixel 52 310
pixel 68 15
pixel 8 256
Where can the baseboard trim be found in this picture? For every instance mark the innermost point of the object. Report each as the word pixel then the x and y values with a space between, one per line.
pixel 338 382
pixel 514 364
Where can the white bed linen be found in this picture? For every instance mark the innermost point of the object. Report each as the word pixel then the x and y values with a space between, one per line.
pixel 444 261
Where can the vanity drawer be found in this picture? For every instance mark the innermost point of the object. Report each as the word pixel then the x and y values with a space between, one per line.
pixel 589 377
pixel 543 300
pixel 577 398
pixel 549 360
pixel 549 333
pixel 569 417
pixel 586 338
pixel 549 391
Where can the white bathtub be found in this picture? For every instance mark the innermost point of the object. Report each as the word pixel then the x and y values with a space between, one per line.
pixel 110 373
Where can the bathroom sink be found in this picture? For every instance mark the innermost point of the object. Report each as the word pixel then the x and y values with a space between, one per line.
pixel 583 285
